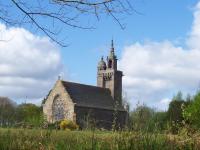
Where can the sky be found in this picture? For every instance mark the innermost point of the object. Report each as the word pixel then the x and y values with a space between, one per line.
pixel 158 52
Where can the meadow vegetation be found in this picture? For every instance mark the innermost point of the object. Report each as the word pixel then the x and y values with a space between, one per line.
pixel 24 127
pixel 35 139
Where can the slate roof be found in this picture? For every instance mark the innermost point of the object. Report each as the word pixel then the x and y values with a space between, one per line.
pixel 90 96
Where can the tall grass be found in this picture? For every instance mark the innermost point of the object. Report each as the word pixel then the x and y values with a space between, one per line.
pixel 35 139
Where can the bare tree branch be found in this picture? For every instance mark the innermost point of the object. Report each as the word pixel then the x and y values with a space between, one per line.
pixel 38 25
pixel 52 16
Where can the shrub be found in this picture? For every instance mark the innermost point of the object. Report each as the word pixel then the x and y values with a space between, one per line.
pixel 141 118
pixel 191 112
pixel 68 124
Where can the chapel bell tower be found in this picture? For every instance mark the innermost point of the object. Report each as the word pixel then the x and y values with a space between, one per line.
pixel 109 77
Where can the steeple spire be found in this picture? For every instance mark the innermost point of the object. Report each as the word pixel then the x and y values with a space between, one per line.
pixel 112 46
pixel 112 51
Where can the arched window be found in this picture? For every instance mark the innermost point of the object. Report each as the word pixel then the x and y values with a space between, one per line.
pixel 58 108
pixel 110 64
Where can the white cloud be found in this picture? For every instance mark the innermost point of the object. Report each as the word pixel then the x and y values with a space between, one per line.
pixel 194 38
pixel 29 64
pixel 163 104
pixel 156 70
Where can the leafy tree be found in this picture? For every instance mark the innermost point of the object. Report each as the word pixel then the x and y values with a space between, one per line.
pixel 12 114
pixel 188 98
pixel 141 117
pixel 30 114
pixel 175 110
pixel 7 111
pixel 178 97
pixel 191 112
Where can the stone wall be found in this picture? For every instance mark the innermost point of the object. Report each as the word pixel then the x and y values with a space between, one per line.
pixel 58 105
pixel 102 118
pixel 118 87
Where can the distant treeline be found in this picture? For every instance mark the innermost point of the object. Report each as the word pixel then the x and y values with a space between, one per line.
pixel 183 112
pixel 13 115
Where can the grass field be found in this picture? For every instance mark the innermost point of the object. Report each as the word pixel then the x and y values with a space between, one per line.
pixel 36 139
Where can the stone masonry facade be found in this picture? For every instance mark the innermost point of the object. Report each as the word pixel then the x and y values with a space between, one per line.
pixel 59 105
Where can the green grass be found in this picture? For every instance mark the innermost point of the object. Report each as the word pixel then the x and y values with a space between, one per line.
pixel 36 139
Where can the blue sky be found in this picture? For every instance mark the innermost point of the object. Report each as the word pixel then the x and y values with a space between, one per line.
pixel 160 20
pixel 156 51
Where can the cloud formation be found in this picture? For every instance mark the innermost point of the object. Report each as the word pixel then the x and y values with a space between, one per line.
pixel 193 40
pixel 154 71
pixel 28 64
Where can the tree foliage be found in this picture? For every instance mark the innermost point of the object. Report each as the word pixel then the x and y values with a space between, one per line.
pixel 191 113
pixel 160 121
pixel 175 110
pixel 30 113
pixel 140 117
pixel 7 111
pixel 12 114
pixel 144 118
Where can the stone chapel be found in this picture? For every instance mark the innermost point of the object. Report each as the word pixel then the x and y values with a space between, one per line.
pixel 79 102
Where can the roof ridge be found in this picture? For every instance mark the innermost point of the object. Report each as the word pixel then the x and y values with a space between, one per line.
pixel 84 84
pixel 90 96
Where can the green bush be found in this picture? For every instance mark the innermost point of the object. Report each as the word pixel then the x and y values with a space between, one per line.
pixel 191 112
